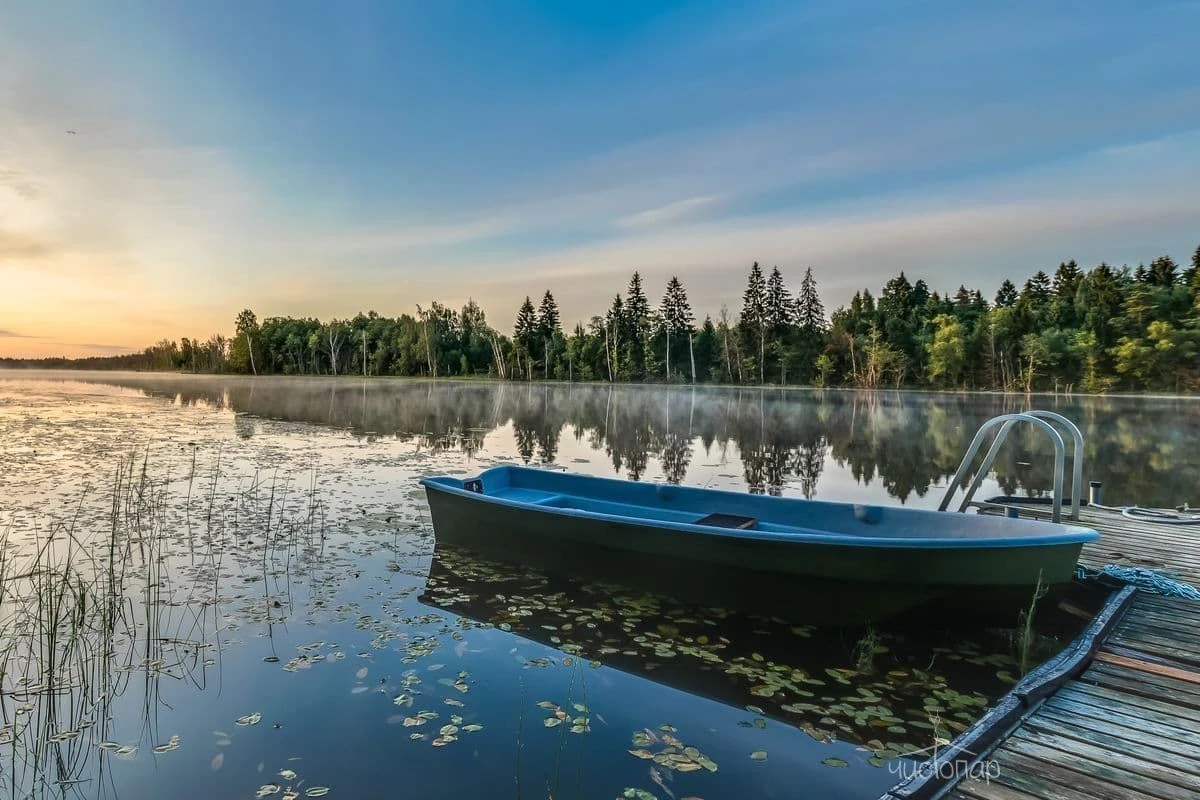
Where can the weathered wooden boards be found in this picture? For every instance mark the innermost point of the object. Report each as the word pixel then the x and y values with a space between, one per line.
pixel 1135 542
pixel 1128 727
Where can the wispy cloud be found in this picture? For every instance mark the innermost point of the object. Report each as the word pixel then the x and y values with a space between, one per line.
pixel 96 348
pixel 693 143
pixel 667 214
pixel 6 334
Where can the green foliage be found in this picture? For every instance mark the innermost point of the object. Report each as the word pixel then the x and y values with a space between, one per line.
pixel 1097 330
pixel 947 352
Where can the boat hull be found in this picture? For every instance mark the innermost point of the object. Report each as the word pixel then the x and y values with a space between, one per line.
pixel 837 583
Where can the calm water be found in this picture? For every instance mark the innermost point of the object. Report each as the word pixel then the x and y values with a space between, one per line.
pixel 282 621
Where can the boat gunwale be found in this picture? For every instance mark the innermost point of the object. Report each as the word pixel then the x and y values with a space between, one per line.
pixel 1072 536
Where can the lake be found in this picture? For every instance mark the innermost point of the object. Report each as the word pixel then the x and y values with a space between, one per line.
pixel 229 587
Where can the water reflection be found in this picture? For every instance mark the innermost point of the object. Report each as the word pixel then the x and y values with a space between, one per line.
pixel 256 582
pixel 888 689
pixel 899 445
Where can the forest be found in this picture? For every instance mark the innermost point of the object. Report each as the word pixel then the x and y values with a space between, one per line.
pixel 1095 330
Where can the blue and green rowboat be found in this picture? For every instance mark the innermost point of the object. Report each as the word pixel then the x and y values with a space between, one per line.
pixel 530 513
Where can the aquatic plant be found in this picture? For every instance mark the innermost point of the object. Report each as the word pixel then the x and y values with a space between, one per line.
pixel 87 602
pixel 865 649
pixel 1025 636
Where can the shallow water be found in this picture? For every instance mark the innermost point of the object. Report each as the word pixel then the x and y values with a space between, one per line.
pixel 280 563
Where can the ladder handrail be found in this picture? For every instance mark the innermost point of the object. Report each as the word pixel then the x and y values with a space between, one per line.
pixel 1077 457
pixel 1007 421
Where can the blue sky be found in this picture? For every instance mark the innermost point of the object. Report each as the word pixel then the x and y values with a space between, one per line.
pixel 320 158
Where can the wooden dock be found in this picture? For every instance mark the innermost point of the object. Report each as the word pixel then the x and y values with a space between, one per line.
pixel 1135 542
pixel 1117 715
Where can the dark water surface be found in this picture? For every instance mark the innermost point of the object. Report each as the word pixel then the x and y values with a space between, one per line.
pixel 263 608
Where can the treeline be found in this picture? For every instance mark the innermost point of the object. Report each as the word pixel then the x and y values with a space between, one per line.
pixel 1096 330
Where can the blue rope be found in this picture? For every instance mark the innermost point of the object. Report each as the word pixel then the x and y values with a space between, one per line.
pixel 1152 580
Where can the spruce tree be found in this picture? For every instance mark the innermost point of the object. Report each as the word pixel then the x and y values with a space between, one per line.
pixel 637 327
pixel 753 322
pixel 810 312
pixel 1006 297
pixel 778 310
pixel 676 317
pixel 676 311
pixel 547 319
pixel 525 332
pixel 1163 272
pixel 1066 280
pixel 547 326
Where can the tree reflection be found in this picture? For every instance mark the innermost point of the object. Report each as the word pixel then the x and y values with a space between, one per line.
pixel 782 440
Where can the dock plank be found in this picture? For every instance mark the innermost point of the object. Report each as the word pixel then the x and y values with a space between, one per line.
pixel 1049 776
pixel 1102 765
pixel 1127 725
pixel 1138 702
pixel 1177 727
pixel 1178 674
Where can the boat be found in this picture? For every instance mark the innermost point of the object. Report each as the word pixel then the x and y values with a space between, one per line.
pixel 773 545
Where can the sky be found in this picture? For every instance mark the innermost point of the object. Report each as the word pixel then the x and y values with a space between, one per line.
pixel 165 165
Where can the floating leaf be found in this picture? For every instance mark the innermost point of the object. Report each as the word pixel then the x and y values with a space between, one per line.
pixel 472 728
pixel 834 761
pixel 317 791
pixel 639 794
pixel 249 719
pixel 550 722
pixel 287 774
pixel 759 755
pixel 268 789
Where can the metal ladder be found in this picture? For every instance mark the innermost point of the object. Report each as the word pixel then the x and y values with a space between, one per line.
pixel 1006 423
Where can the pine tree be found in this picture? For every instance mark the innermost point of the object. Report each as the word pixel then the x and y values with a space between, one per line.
pixel 676 316
pixel 1192 279
pixel 810 312
pixel 1066 280
pixel 1036 289
pixel 1006 297
pixel 525 329
pixel 676 311
pixel 525 332
pixel 753 322
pixel 1163 272
pixel 547 327
pixel 547 319
pixel 637 327
pixel 779 310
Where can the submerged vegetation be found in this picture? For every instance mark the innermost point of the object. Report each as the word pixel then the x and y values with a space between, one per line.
pixel 1091 330
pixel 93 610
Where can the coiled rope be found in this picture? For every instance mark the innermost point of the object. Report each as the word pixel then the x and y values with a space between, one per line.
pixel 1162 516
pixel 1151 580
